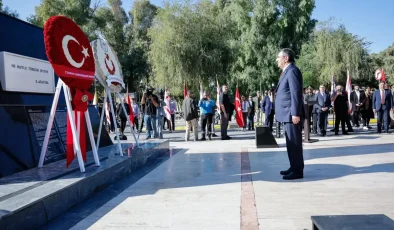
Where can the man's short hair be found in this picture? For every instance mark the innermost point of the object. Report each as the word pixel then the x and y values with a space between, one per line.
pixel 288 53
pixel 190 92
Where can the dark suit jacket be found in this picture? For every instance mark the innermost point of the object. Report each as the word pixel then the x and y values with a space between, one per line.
pixel 252 109
pixel 267 105
pixel 289 100
pixel 323 102
pixel 354 100
pixel 377 100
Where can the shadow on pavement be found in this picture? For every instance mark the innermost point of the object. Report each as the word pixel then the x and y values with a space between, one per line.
pixel 265 166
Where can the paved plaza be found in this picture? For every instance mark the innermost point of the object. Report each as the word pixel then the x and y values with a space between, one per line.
pixel 232 185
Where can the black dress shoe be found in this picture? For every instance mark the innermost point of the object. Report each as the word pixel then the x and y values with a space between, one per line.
pixel 287 172
pixel 345 133
pixel 293 176
pixel 336 134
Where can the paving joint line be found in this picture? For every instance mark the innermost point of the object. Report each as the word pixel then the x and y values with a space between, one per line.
pixel 249 219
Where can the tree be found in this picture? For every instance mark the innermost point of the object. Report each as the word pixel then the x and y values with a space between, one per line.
pixel 385 60
pixel 8 11
pixel 332 51
pixel 262 29
pixel 187 45
pixel 78 10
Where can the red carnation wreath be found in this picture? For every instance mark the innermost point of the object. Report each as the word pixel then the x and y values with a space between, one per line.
pixel 69 51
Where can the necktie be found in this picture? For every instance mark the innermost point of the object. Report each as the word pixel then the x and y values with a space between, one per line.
pixel 382 96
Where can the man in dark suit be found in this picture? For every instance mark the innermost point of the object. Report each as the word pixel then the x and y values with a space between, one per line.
pixel 382 104
pixel 251 113
pixel 357 99
pixel 289 109
pixel 323 104
pixel 268 107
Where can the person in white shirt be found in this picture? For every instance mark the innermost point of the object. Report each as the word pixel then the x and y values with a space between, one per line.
pixel 245 110
pixel 357 99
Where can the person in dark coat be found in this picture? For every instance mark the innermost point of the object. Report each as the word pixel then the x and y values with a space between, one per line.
pixel 289 109
pixel 341 108
pixel 367 111
pixel 357 98
pixel 268 108
pixel 323 105
pixel 381 104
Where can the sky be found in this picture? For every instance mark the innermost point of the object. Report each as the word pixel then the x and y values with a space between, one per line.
pixel 369 19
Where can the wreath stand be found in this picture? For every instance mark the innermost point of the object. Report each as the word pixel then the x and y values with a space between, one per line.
pixel 75 129
pixel 108 94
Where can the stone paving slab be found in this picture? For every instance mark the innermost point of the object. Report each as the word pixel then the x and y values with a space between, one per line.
pixel 200 187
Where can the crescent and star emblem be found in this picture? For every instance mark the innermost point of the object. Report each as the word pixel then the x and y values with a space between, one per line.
pixel 112 70
pixel 65 41
pixel 84 98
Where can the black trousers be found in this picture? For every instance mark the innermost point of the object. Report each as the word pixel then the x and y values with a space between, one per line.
pixel 383 119
pixel 314 124
pixel 245 116
pixel 293 135
pixel 172 122
pixel 123 121
pixel 251 121
pixel 323 123
pixel 269 119
pixel 206 123
pixel 347 121
pixel 136 123
pixel 356 118
pixel 366 118
pixel 112 126
pixel 340 118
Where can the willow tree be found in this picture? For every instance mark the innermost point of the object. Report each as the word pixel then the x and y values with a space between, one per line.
pixel 332 51
pixel 187 45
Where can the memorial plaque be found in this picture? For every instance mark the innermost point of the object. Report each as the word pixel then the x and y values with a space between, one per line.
pixel 39 117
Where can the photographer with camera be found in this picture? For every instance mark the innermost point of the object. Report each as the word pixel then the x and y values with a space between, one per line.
pixel 160 115
pixel 149 104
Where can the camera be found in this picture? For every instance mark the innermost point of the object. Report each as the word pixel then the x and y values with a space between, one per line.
pixel 161 94
pixel 339 90
pixel 149 91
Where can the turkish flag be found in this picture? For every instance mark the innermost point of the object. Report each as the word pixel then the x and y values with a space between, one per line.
pixel 238 108
pixel 131 114
pixel 69 51
pixel 383 77
pixel 184 90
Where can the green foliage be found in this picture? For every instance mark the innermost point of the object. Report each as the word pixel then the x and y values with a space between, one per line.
pixel 236 41
pixel 187 45
pixel 332 51
pixel 8 11
pixel 385 60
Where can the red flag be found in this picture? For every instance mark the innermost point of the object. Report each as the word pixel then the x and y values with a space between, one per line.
pixel 238 116
pixel 383 77
pixel 348 90
pixel 131 115
pixel 184 90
